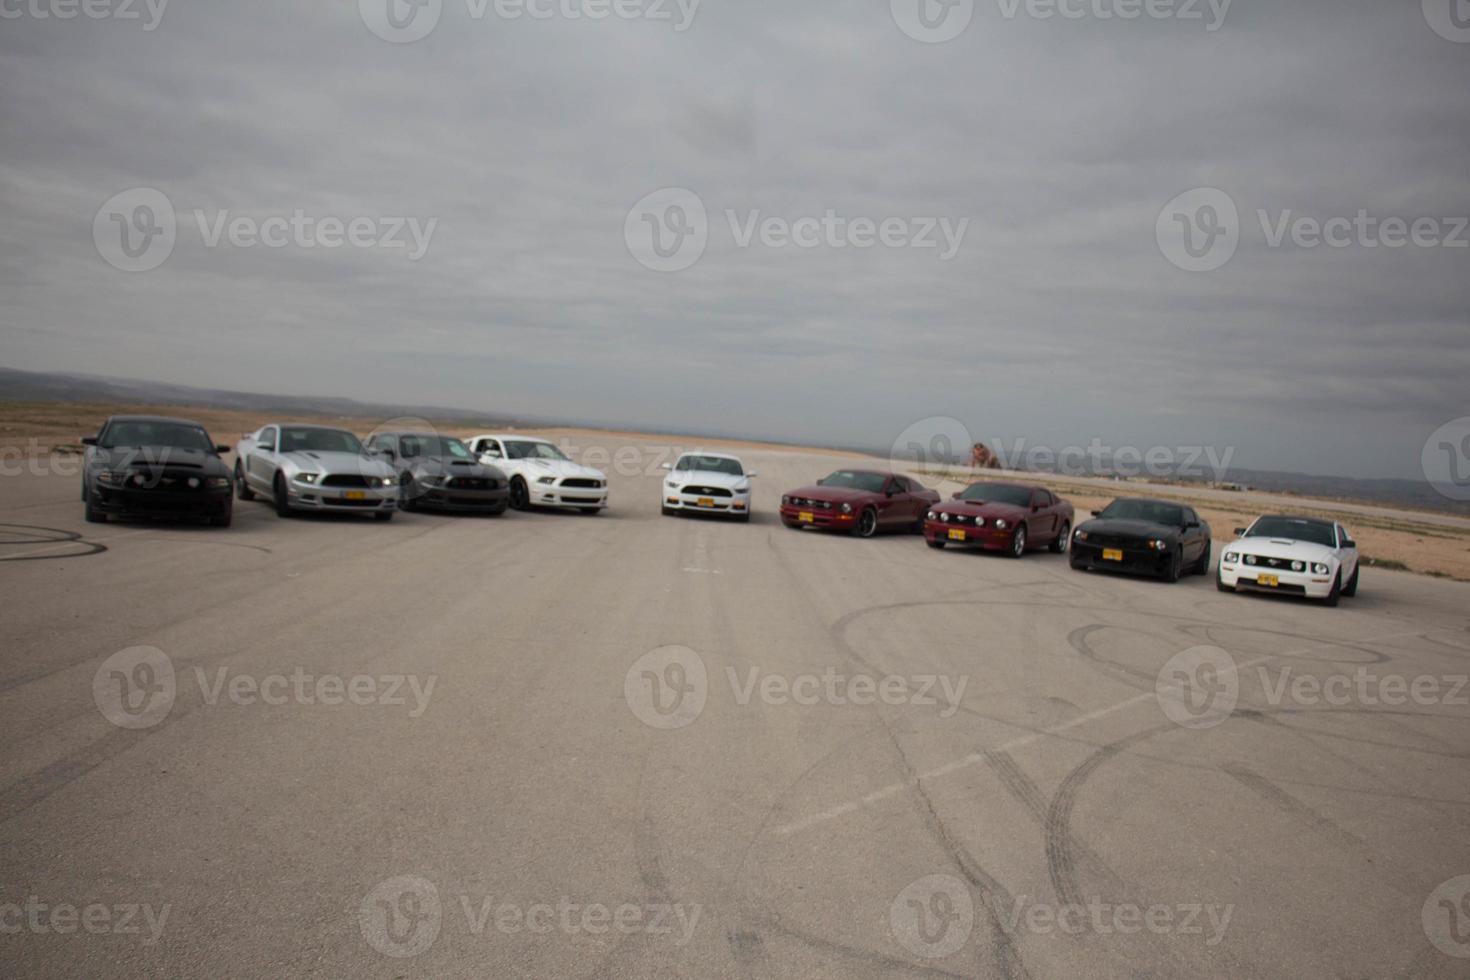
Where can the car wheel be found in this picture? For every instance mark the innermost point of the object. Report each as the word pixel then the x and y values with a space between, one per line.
pixel 406 492
pixel 919 522
pixel 666 510
pixel 1176 566
pixel 1063 539
pixel 90 511
pixel 1202 566
pixel 1078 566
pixel 936 544
pixel 223 520
pixel 743 518
pixel 242 489
pixel 1018 542
pixel 867 524
pixel 383 515
pixel 1336 592
pixel 795 525
pixel 1351 589
pixel 278 490
pixel 1220 584
pixel 520 498
pixel 589 510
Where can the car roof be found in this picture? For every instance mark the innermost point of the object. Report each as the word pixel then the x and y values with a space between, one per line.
pixel 856 469
pixel 1296 519
pixel 1153 500
pixel 306 425
pixel 512 435
pixel 416 432
pixel 1001 483
pixel 152 418
pixel 699 452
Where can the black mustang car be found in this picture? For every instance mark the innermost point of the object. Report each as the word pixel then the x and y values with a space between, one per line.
pixel 149 466
pixel 439 472
pixel 1152 537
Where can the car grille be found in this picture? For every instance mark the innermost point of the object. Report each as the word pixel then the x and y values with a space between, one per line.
pixel 961 519
pixel 582 482
pixel 345 480
pixel 1114 540
pixel 472 483
pixel 708 491
pixel 1264 562
pixel 580 500
pixel 169 480
pixel 809 502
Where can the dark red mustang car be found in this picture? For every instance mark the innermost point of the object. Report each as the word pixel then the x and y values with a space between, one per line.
pixel 1007 517
pixel 861 502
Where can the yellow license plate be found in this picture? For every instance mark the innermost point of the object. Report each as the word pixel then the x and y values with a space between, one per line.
pixel 955 534
pixel 1270 580
pixel 355 495
pixel 706 501
pixel 1112 554
pixel 806 516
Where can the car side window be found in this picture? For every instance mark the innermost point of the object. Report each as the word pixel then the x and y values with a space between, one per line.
pixel 1190 517
pixel 267 438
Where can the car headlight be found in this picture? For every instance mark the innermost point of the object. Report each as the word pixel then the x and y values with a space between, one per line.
pixel 218 482
pixel 1298 566
pixel 388 481
pixel 1319 568
pixel 1081 535
pixel 847 508
pixel 930 516
pixel 1158 544
pixel 742 489
pixel 110 478
pixel 785 499
pixel 1000 522
pixel 546 479
pixel 306 477
pixel 1250 559
pixel 1231 557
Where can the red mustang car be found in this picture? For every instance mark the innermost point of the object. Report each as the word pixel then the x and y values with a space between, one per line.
pixel 1005 517
pixel 861 502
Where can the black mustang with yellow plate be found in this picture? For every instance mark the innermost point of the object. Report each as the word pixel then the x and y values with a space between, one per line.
pixel 1150 537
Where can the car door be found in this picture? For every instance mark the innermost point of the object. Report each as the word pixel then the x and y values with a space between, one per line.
pixel 1347 552
pixel 1043 516
pixel 891 503
pixel 260 465
pixel 1194 536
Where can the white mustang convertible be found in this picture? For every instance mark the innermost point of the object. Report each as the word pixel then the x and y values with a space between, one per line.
pixel 1291 555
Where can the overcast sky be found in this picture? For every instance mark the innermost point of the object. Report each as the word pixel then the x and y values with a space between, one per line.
pixel 518 147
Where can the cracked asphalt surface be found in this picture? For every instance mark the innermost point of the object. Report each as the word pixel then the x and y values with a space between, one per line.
pixel 630 745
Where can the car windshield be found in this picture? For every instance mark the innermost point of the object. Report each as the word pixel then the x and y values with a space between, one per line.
pixel 856 480
pixel 172 435
pixel 711 464
pixel 996 493
pixel 422 445
pixel 526 449
pixel 1171 515
pixel 1293 528
pixel 319 440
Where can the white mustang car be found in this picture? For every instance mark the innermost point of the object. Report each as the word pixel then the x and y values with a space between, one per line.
pixel 314 467
pixel 712 483
pixel 540 474
pixel 1291 555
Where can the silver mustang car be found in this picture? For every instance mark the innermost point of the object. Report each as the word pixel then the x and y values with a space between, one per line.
pixel 440 473
pixel 314 467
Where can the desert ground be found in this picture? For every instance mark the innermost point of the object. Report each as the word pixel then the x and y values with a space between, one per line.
pixel 630 745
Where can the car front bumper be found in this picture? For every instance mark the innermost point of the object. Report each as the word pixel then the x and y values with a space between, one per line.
pixel 794 516
pixel 468 501
pixel 556 495
pixel 1236 575
pixel 1120 558
pixel 162 503
pixel 990 538
pixel 737 504
pixel 343 500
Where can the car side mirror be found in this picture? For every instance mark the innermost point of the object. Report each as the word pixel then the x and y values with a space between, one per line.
pixel 89 440
pixel 666 466
pixel 1189 525
pixel 752 474
pixel 1035 508
pixel 221 449
pixel 1349 543
pixel 955 495
pixel 387 453
pixel 1097 513
pixel 1239 531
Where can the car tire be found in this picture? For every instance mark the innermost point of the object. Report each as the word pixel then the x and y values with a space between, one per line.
pixel 520 497
pixel 919 522
pixel 223 520
pixel 242 489
pixel 1176 566
pixel 406 493
pixel 90 512
pixel 282 501
pixel 589 510
pixel 794 525
pixel 1220 584
pixel 1078 566
pixel 1202 566
pixel 1351 589
pixel 867 524
pixel 1336 593
pixel 936 544
pixel 1063 539
pixel 383 515
pixel 743 518
pixel 666 510
pixel 1018 542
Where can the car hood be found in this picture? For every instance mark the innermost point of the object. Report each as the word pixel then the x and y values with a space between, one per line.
pixel 314 460
pixel 454 466
pixel 1129 528
pixel 152 457
pixel 989 509
pixel 836 495
pixel 1282 548
pixel 709 478
pixel 559 468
